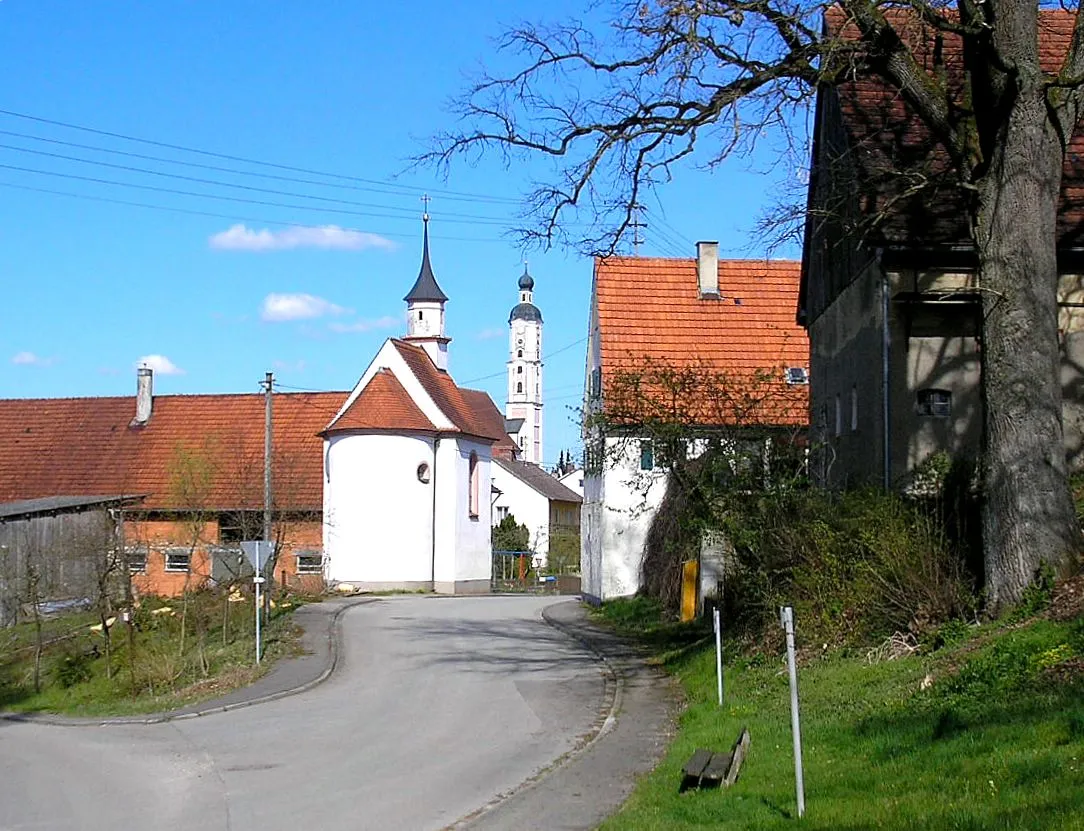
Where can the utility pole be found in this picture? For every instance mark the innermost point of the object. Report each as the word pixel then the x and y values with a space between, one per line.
pixel 268 388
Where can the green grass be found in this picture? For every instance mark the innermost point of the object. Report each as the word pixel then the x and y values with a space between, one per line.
pixel 997 741
pixel 74 676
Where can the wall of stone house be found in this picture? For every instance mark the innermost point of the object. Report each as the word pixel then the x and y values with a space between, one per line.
pixel 845 343
pixel 846 375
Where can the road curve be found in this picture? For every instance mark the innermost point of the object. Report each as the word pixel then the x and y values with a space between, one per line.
pixel 437 707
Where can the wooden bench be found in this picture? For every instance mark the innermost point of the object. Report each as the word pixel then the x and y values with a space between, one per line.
pixel 707 769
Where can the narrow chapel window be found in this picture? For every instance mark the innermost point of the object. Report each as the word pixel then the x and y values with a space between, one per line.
pixel 473 481
pixel 519 386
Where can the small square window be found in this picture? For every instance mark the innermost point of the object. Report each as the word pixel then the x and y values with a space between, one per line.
pixel 797 375
pixel 502 513
pixel 647 455
pixel 310 562
pixel 935 403
pixel 137 559
pixel 178 559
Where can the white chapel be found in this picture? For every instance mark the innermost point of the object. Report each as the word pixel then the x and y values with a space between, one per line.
pixel 408 459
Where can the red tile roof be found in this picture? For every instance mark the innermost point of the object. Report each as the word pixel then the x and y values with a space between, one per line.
pixel 886 136
pixel 81 446
pixel 462 407
pixel 383 405
pixel 491 420
pixel 650 314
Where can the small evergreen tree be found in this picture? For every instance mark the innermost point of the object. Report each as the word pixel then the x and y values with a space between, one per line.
pixel 509 535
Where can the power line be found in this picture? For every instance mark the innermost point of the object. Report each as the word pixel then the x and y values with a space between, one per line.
pixel 243 160
pixel 223 197
pixel 406 214
pixel 391 190
pixel 544 357
pixel 232 217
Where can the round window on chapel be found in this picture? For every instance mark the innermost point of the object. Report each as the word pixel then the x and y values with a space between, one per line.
pixel 423 473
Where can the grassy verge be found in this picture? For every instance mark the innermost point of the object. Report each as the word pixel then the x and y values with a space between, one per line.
pixel 985 733
pixel 165 670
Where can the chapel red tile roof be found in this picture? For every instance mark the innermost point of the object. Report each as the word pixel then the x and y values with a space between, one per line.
pixel 650 313
pixel 886 136
pixel 383 405
pixel 81 446
pixel 462 407
pixel 491 420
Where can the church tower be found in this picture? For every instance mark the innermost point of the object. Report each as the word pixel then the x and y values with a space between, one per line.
pixel 524 408
pixel 425 309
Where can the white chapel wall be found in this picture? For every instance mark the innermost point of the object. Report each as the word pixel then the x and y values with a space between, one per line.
pixel 377 514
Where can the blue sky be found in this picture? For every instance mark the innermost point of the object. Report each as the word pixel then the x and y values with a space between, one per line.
pixel 92 286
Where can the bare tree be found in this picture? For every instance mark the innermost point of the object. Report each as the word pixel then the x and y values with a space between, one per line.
pixel 617 109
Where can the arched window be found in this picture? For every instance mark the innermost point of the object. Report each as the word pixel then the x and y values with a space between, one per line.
pixel 519 386
pixel 519 370
pixel 519 353
pixel 421 314
pixel 473 483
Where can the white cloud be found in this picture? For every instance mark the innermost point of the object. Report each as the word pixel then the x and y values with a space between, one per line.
pixel 160 364
pixel 242 238
pixel 30 359
pixel 289 366
pixel 490 334
pixel 386 322
pixel 281 307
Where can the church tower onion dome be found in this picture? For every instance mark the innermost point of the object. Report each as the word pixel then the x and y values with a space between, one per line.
pixel 526 309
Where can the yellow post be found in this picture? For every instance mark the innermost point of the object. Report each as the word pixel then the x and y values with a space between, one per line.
pixel 690 574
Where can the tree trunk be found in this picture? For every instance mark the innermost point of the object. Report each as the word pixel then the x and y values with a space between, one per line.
pixel 1028 517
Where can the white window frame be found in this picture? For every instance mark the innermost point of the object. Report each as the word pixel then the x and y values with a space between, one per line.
pixel 308 569
pixel 177 552
pixel 136 557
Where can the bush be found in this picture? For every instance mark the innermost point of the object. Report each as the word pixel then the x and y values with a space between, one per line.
pixel 74 667
pixel 856 566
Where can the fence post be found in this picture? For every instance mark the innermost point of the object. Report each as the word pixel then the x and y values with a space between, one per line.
pixel 718 651
pixel 786 618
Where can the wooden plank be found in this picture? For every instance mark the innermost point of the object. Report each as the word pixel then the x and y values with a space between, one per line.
pixel 693 769
pixel 737 757
pixel 716 771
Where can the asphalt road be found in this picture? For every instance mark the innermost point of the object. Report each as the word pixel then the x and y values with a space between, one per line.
pixel 438 706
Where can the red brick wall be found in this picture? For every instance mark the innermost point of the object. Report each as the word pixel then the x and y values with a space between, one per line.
pixel 159 535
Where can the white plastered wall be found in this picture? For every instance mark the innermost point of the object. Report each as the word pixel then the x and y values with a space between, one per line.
pixel 377 514
pixel 463 554
pixel 527 505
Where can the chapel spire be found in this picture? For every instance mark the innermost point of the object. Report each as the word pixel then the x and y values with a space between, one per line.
pixel 425 287
pixel 425 306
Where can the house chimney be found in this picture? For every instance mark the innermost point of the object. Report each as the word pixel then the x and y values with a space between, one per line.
pixel 707 268
pixel 144 395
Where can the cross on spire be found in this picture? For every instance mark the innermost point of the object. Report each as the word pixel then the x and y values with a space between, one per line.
pixel 425 209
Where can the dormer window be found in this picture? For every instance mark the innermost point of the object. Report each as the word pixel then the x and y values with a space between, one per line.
pixel 934 402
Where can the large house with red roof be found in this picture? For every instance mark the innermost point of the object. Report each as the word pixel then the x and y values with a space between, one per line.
pixel 889 290
pixel 729 321
pixel 384 486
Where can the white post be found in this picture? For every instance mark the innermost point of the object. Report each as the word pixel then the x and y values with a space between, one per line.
pixel 718 652
pixel 257 580
pixel 786 618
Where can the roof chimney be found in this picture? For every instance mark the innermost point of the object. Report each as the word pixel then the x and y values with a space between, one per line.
pixel 707 268
pixel 144 395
